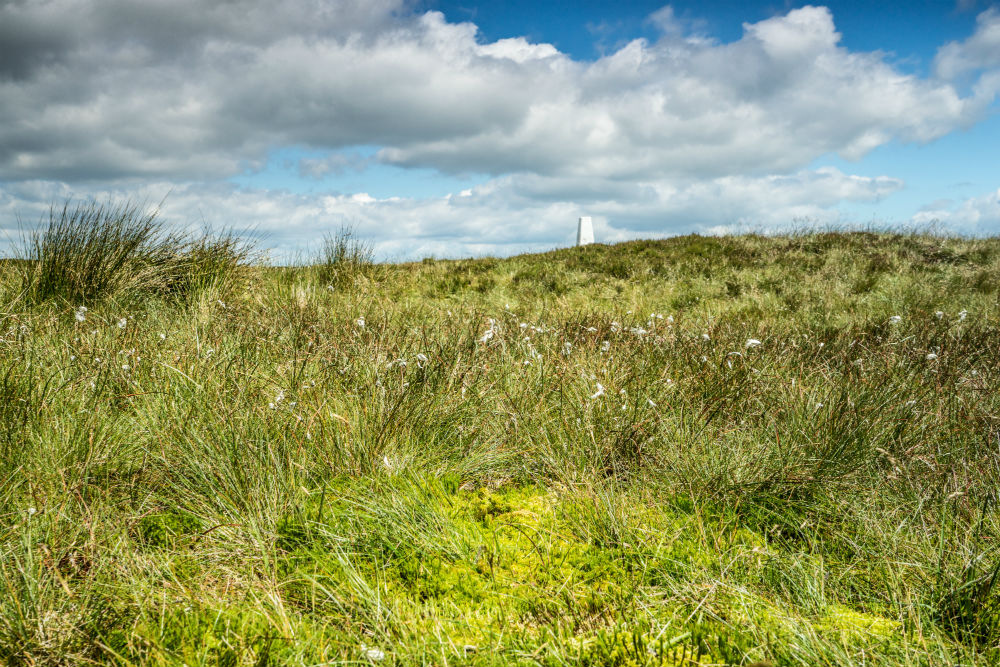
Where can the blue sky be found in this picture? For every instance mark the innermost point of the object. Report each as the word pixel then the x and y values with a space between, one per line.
pixel 466 128
pixel 587 29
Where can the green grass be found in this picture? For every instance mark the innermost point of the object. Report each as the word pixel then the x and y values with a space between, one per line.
pixel 94 252
pixel 571 458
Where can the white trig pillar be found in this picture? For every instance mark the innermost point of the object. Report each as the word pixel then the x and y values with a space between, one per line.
pixel 585 231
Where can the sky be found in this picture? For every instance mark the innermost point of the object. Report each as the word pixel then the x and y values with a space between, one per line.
pixel 438 128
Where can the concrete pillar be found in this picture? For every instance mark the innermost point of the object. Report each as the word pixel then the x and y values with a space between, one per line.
pixel 585 231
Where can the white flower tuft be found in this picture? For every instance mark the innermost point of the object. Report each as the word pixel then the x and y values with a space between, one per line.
pixel 373 654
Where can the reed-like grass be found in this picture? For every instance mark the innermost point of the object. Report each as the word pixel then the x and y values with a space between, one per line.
pixel 575 458
pixel 97 251
pixel 342 259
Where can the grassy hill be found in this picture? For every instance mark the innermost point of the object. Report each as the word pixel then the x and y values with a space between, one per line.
pixel 715 451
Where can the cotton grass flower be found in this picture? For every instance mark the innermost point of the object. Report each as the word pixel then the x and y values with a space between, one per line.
pixel 599 392
pixel 895 319
pixel 962 314
pixel 81 314
pixel 939 314
pixel 490 332
pixel 752 342
pixel 931 356
pixel 277 400
pixel 360 322
pixel 122 322
pixel 373 654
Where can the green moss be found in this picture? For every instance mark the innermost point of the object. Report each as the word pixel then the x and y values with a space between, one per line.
pixel 697 642
pixel 167 529
pixel 852 626
pixel 484 505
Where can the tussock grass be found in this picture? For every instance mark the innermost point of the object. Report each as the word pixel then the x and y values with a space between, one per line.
pixel 574 458
pixel 343 259
pixel 96 251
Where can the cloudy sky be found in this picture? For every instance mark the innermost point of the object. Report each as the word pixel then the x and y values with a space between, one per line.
pixel 475 127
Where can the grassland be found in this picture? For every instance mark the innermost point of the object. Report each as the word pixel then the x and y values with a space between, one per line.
pixel 581 457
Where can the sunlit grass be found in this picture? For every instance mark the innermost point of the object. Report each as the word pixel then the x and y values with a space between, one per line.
pixel 695 451
pixel 121 251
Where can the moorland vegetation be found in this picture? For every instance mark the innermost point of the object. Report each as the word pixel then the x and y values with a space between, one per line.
pixel 747 450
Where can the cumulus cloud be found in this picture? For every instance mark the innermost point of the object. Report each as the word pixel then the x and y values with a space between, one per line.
pixel 975 216
pixel 185 90
pixel 118 98
pixel 681 107
pixel 517 213
pixel 980 51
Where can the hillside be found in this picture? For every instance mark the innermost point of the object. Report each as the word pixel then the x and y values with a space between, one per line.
pixel 716 451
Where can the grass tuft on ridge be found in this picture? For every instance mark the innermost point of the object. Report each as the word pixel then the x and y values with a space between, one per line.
pixel 95 251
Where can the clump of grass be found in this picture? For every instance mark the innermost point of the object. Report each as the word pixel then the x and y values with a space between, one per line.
pixel 209 262
pixel 343 258
pixel 94 251
pixel 971 610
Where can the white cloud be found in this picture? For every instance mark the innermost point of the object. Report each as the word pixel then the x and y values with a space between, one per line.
pixel 975 216
pixel 177 90
pixel 772 101
pixel 508 214
pixel 119 98
pixel 518 49
pixel 981 50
